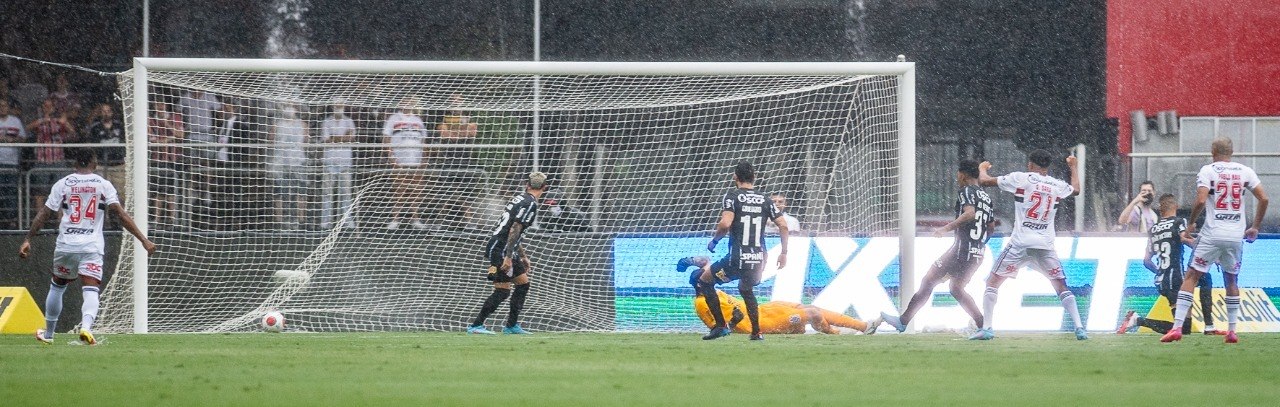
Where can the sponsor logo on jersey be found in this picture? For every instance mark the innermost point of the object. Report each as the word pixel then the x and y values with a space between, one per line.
pixel 1233 217
pixel 751 199
pixel 1035 226
pixel 78 231
pixel 757 256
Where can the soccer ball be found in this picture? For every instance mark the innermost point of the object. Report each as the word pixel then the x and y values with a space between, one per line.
pixel 273 321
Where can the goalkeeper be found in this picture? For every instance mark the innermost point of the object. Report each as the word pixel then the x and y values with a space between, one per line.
pixel 776 317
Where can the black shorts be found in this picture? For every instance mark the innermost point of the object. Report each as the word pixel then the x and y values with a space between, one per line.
pixel 958 265
pixel 734 267
pixel 494 252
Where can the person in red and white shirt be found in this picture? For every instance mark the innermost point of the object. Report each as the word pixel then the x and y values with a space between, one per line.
pixel 405 135
pixel 83 198
pixel 1036 196
pixel 1220 190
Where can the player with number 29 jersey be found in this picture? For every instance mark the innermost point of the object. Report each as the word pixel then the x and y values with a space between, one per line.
pixel 1224 213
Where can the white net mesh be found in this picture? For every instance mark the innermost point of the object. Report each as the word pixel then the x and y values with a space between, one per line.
pixel 262 198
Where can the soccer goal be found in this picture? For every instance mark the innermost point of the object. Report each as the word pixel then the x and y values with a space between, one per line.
pixel 262 198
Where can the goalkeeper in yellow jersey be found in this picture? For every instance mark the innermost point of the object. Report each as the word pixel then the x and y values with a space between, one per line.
pixel 776 317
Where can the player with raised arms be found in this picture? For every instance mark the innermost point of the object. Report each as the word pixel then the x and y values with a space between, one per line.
pixel 743 213
pixel 776 317
pixel 1036 197
pixel 972 226
pixel 1224 226
pixel 83 198
pixel 508 262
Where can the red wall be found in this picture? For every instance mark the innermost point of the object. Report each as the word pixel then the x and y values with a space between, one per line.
pixel 1199 57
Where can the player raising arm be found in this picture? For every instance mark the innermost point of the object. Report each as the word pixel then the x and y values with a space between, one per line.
pixel 973 227
pixel 81 197
pixel 744 211
pixel 1036 196
pixel 508 263
pixel 1224 225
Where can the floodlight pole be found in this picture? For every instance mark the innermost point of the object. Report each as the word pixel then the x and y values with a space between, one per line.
pixel 146 28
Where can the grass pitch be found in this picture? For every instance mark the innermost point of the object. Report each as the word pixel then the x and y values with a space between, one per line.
pixel 637 369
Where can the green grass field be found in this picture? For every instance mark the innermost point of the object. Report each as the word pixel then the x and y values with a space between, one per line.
pixel 636 369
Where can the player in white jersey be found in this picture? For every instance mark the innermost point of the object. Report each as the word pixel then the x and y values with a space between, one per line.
pixel 1222 185
pixel 83 198
pixel 1036 197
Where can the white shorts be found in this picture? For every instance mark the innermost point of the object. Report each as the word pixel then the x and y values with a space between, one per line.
pixel 1226 253
pixel 1042 260
pixel 69 265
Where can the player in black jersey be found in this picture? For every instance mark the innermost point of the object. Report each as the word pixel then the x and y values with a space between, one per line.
pixel 508 262
pixel 744 210
pixel 1165 246
pixel 972 226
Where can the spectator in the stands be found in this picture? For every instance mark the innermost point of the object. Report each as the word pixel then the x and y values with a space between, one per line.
pixel 457 128
pixel 780 202
pixel 30 92
pixel 52 128
pixel 11 131
pixel 165 129
pixel 287 168
pixel 337 130
pixel 405 135
pixel 199 108
pixel 107 128
pixel 64 99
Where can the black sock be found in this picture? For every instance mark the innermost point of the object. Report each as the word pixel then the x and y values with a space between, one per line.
pixel 1161 327
pixel 491 304
pixel 713 303
pixel 1206 306
pixel 517 304
pixel 753 310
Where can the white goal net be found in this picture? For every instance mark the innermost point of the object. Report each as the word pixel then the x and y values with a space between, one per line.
pixel 351 199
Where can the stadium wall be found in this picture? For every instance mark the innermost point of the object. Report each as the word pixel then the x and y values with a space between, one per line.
pixel 1200 58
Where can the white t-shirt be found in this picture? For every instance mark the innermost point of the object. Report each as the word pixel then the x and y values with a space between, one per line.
pixel 793 224
pixel 341 126
pixel 288 154
pixel 11 126
pixel 199 112
pixel 1035 206
pixel 1224 213
pixel 407 133
pixel 83 199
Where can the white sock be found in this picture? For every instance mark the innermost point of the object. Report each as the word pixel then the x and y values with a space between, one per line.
pixel 53 308
pixel 1233 312
pixel 1180 313
pixel 1069 302
pixel 89 309
pixel 988 306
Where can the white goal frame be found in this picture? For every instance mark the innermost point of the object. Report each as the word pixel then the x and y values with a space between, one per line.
pixel 906 119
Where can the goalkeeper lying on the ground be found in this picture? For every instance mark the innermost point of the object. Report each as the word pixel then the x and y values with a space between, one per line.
pixel 776 317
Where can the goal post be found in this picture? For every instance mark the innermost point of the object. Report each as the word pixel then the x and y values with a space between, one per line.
pixel 838 137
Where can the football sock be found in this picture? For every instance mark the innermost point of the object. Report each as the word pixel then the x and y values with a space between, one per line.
pixel 491 304
pixel 1233 312
pixel 1184 305
pixel 1207 300
pixel 1069 302
pixel 753 309
pixel 713 303
pixel 53 308
pixel 89 309
pixel 517 304
pixel 988 306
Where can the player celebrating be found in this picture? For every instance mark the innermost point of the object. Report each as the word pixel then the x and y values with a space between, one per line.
pixel 80 247
pixel 973 226
pixel 508 262
pixel 776 317
pixel 1165 244
pixel 744 211
pixel 1036 196
pixel 1224 225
